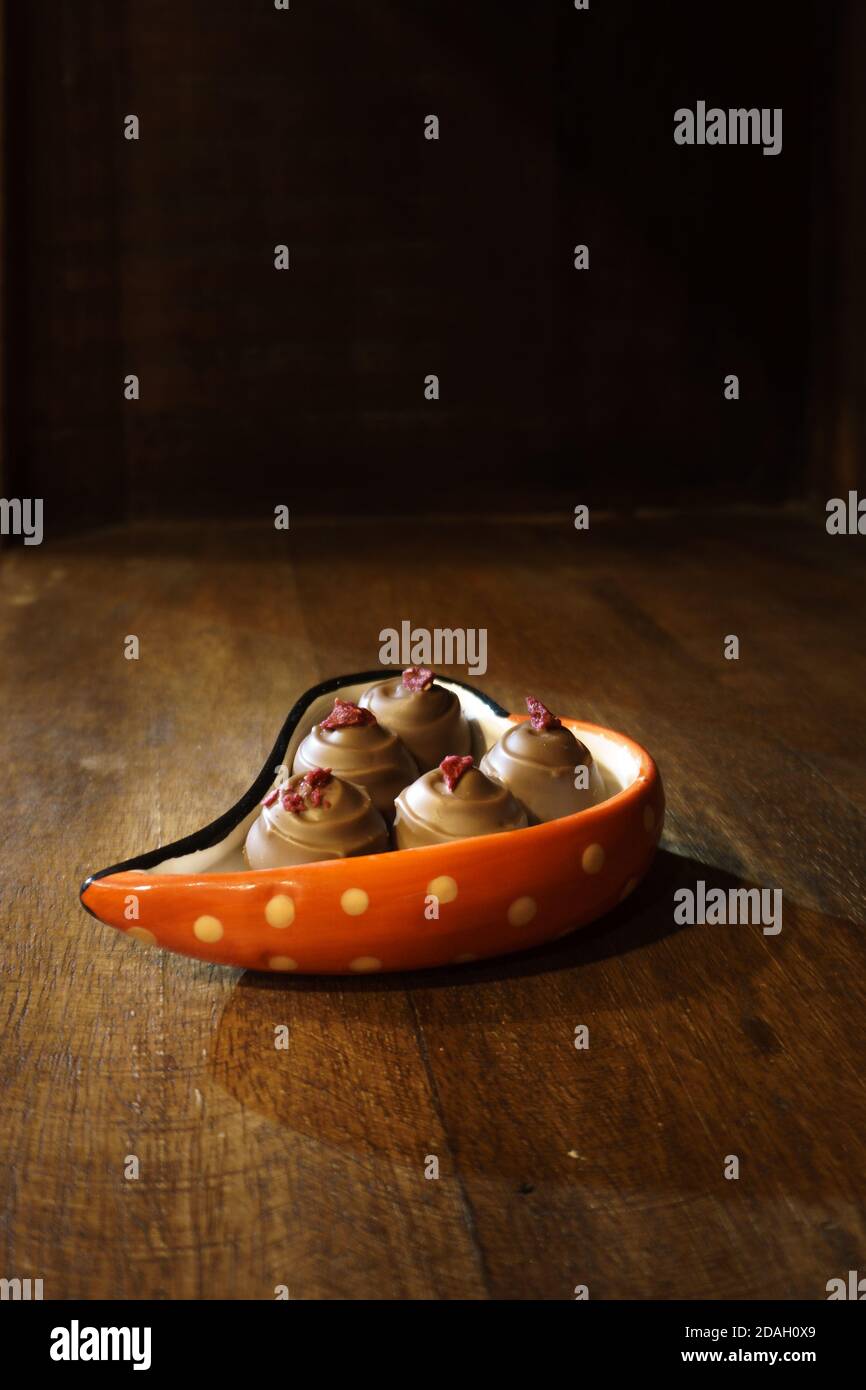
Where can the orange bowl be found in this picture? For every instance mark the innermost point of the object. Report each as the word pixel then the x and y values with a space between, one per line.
pixel 403 910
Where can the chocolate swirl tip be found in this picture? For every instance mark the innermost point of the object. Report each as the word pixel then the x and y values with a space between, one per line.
pixel 547 768
pixel 438 808
pixel 314 816
pixel 427 717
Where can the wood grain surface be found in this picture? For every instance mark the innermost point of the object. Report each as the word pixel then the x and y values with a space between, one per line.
pixel 558 1167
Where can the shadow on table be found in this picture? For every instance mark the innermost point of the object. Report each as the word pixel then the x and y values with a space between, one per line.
pixel 705 1041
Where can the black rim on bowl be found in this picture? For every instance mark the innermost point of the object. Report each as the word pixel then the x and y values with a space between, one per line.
pixel 212 834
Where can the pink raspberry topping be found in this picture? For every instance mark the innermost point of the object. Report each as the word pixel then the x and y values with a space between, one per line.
pixel 453 768
pixel 314 783
pixel 271 797
pixel 417 678
pixel 345 715
pixel 541 718
pixel 307 793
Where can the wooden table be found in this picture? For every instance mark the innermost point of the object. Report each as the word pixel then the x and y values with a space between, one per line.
pixel 558 1167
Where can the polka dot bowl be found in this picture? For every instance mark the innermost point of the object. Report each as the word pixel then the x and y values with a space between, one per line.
pixel 404 910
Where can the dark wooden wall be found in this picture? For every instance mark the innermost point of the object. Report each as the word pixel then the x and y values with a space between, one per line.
pixel 838 348
pixel 409 256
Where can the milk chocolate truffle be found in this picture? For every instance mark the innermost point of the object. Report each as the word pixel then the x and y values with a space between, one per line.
pixel 359 749
pixel 454 801
pixel 314 816
pixel 427 717
pixel 540 761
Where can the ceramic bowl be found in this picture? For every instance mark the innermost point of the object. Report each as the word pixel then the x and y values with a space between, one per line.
pixel 403 910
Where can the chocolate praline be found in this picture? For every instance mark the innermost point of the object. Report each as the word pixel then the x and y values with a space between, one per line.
pixel 540 761
pixel 359 749
pixel 438 808
pixel 427 717
pixel 310 818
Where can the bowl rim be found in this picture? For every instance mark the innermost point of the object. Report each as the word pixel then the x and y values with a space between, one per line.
pixel 217 830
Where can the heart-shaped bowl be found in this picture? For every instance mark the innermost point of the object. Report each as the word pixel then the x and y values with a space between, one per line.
pixel 405 909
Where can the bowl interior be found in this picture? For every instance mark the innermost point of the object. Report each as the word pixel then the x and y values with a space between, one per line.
pixel 616 759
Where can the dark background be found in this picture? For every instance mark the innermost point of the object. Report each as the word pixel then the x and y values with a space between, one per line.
pixel 558 387
pixel 410 256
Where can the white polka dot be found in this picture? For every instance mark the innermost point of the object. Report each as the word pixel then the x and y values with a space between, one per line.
pixel 208 928
pixel 280 911
pixel 649 818
pixel 354 901
pixel 282 963
pixel 630 886
pixel 464 959
pixel 521 911
pixel 141 934
pixel 363 964
pixel 444 888
pixel 592 859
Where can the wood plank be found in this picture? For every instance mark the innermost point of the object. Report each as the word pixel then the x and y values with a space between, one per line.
pixel 558 1166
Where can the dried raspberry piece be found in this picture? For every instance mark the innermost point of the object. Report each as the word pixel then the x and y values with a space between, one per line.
pixel 271 797
pixel 314 783
pixel 453 768
pixel 417 678
pixel 542 720
pixel 345 715
pixel 308 792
